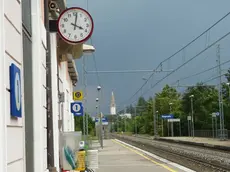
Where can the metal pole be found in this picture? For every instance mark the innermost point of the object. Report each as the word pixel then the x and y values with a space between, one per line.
pixel 162 125
pixel 49 103
pixel 213 135
pixel 192 117
pixel 117 123
pixel 135 120
pixel 216 126
pixel 180 128
pixel 101 135
pixel 124 118
pixel 154 119
pixel 228 91
pixel 100 116
pixel 172 130
pixel 220 91
pixel 84 90
pixel 188 127
pixel 168 127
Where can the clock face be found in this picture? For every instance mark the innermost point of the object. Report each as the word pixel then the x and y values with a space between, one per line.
pixel 75 25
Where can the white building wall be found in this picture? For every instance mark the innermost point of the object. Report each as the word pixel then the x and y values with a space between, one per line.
pixel 12 129
pixel 55 98
pixel 39 87
pixel 3 152
pixel 68 120
pixel 65 85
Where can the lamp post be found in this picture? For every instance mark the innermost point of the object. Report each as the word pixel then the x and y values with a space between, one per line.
pixel 135 121
pixel 170 109
pixel 100 116
pixel 192 112
pixel 157 120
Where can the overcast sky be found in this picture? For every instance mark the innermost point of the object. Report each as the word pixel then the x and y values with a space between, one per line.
pixel 139 34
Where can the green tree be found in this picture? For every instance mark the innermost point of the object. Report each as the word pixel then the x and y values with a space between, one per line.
pixel 205 102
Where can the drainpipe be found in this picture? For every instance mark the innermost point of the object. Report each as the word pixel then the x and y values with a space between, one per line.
pixel 50 145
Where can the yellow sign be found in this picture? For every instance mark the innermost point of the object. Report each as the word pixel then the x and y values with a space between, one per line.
pixel 77 95
pixel 81 161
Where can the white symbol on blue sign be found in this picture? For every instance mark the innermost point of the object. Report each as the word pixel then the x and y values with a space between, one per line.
pixel 77 108
pixel 15 91
pixel 170 116
pixel 103 120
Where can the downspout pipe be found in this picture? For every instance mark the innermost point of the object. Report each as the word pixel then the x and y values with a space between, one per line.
pixel 50 141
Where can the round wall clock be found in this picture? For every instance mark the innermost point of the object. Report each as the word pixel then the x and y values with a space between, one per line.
pixel 75 25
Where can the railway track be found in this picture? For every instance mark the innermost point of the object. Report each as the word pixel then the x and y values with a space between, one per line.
pixel 193 157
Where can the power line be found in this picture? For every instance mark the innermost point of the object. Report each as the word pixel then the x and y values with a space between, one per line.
pixel 201 72
pixel 191 59
pixel 211 79
pixel 185 63
pixel 160 64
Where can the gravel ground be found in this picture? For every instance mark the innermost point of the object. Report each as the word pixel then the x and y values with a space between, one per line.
pixel 184 154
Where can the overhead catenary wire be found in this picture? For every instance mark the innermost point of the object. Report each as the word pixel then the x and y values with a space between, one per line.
pixel 190 59
pixel 198 73
pixel 187 45
pixel 213 78
pixel 198 54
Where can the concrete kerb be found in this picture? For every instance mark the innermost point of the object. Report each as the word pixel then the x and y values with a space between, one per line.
pixel 207 145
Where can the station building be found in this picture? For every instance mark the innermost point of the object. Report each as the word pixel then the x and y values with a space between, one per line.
pixel 35 105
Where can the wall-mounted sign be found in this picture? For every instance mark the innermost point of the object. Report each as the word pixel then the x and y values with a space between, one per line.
pixel 77 109
pixel 78 95
pixel 15 91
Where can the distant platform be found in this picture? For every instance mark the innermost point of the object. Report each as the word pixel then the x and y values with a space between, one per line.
pixel 200 140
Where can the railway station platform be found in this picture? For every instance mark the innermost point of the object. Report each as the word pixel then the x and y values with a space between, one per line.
pixel 117 156
pixel 211 142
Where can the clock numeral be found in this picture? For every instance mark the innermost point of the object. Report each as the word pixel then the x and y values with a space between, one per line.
pixel 64 31
pixel 75 36
pixel 69 34
pixel 80 14
pixel 87 25
pixel 69 15
pixel 86 30
pixel 85 19
pixel 81 34
pixel 74 13
pixel 65 19
pixel 62 25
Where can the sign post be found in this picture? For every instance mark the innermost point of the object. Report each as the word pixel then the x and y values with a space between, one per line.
pixel 189 118
pixel 214 118
pixel 167 116
pixel 176 120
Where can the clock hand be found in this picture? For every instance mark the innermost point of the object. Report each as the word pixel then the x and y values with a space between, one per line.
pixel 75 25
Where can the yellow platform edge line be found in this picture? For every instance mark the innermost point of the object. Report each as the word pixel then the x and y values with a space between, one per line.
pixel 137 152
